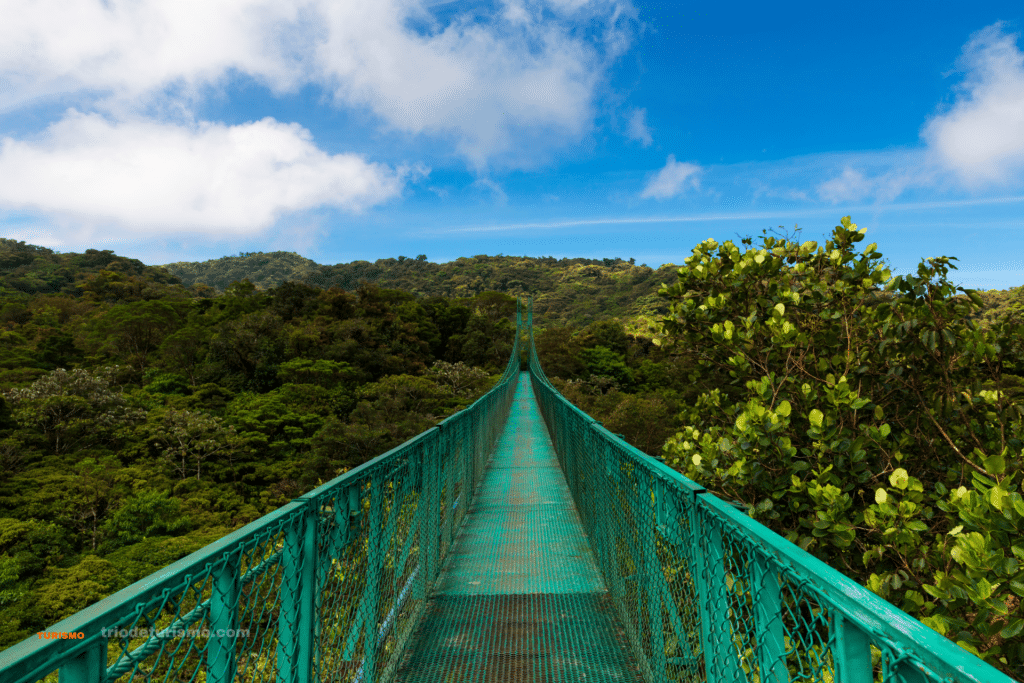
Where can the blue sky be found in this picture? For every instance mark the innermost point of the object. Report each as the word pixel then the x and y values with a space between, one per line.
pixel 345 130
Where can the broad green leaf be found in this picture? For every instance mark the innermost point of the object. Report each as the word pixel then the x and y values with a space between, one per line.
pixel 879 413
pixel 955 531
pixel 997 497
pixel 885 429
pixel 995 465
pixel 935 622
pixel 1018 504
pixel 780 308
pixel 881 496
pixel 816 418
pixel 741 421
pixel 899 478
pixel 784 409
pixel 1012 629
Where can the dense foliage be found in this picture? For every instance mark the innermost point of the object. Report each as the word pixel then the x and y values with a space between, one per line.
pixel 140 420
pixel 865 417
pixel 874 420
pixel 575 291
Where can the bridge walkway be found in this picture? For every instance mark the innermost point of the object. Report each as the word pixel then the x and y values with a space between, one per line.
pixel 520 597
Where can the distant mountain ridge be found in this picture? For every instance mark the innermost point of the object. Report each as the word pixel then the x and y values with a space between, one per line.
pixel 266 271
pixel 567 290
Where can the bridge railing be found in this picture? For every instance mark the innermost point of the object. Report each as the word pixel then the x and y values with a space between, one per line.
pixel 327 588
pixel 705 593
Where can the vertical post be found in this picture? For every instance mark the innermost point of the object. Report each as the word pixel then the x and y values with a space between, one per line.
pixel 220 648
pixel 446 468
pixel 431 517
pixel 309 620
pixel 771 644
pixel 295 622
pixel 720 658
pixel 469 464
pixel 654 579
pixel 420 520
pixel 374 560
pixel 609 533
pixel 89 666
pixel 852 651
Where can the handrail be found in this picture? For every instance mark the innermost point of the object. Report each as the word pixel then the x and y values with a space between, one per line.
pixel 328 587
pixel 706 593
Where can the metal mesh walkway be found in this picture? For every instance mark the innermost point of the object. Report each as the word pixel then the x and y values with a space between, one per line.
pixel 520 598
pixel 358 581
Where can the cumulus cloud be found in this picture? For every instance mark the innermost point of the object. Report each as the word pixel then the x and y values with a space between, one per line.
pixel 131 48
pixel 638 129
pixel 977 142
pixel 669 181
pixel 981 138
pixel 156 177
pixel 490 86
pixel 503 88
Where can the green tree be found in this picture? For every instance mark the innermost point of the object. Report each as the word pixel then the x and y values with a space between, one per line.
pixel 188 439
pixel 134 331
pixel 603 362
pixel 185 349
pixel 325 373
pixel 849 417
pixel 73 408
pixel 144 514
pixel 458 378
pixel 252 346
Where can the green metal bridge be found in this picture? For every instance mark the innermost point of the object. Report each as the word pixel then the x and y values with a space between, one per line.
pixel 518 540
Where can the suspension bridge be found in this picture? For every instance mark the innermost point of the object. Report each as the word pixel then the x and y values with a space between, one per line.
pixel 518 540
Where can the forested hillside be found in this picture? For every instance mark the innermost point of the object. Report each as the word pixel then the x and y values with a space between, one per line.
pixel 575 291
pixel 141 420
pixel 876 421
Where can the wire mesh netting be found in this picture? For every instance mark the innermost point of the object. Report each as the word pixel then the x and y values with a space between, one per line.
pixel 518 540
pixel 327 588
pixel 520 598
pixel 705 593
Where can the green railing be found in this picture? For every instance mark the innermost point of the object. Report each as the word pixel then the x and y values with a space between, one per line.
pixel 331 586
pixel 705 593
pixel 326 588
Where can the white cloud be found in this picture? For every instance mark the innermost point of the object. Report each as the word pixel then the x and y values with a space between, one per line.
pixel 493 188
pixel 152 177
pixel 850 186
pixel 669 181
pixel 977 142
pixel 504 90
pixel 493 88
pixel 981 138
pixel 638 129
pixel 131 48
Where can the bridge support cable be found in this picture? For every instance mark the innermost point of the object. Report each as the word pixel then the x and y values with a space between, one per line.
pixel 708 594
